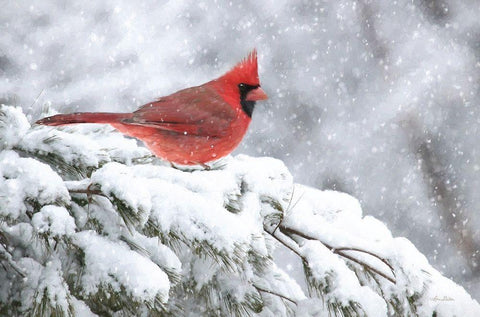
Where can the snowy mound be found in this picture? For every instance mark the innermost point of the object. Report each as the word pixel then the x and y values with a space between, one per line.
pixel 91 224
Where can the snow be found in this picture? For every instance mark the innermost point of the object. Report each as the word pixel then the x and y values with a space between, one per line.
pixel 160 254
pixel 115 265
pixel 25 179
pixel 81 309
pixel 118 180
pixel 197 231
pixel 342 282
pixel 93 154
pixel 45 280
pixel 177 201
pixel 54 220
pixel 13 126
pixel 338 215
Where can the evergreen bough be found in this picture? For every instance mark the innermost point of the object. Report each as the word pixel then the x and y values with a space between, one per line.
pixel 92 224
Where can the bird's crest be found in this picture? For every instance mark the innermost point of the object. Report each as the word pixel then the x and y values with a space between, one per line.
pixel 246 71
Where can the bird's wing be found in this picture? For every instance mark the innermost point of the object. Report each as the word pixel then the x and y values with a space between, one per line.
pixel 198 111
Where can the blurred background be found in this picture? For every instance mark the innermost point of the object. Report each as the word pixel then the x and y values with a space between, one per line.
pixel 379 99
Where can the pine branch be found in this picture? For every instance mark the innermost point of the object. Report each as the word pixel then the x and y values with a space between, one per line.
pixel 129 216
pixel 341 251
pixel 6 256
pixel 173 276
pixel 283 235
pixel 56 161
pixel 45 307
pixel 177 240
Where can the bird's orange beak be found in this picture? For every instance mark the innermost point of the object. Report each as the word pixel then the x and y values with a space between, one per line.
pixel 256 94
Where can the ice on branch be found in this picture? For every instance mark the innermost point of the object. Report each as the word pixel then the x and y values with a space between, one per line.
pixel 91 224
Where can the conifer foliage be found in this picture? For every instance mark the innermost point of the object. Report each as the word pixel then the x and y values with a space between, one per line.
pixel 92 224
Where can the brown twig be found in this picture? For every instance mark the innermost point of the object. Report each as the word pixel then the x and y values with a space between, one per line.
pixel 384 261
pixel 284 243
pixel 289 208
pixel 260 289
pixel 87 191
pixel 340 251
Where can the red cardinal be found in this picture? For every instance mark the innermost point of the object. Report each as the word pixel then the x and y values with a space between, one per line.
pixel 192 126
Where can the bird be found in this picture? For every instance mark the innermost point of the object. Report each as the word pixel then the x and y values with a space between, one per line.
pixel 192 126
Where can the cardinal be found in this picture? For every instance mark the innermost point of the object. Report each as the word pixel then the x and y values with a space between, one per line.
pixel 192 126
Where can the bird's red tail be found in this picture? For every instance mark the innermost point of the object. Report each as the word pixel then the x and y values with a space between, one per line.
pixel 84 117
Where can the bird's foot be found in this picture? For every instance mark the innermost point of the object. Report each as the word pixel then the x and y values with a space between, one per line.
pixel 186 168
pixel 199 166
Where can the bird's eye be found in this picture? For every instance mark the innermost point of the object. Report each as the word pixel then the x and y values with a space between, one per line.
pixel 242 86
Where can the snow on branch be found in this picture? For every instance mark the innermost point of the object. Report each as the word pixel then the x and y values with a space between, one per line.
pixel 92 224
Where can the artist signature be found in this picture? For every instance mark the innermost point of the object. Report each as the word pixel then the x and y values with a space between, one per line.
pixel 443 299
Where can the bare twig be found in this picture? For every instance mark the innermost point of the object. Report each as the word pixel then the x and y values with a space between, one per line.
pixel 342 252
pixel 38 97
pixel 371 268
pixel 289 207
pixel 384 261
pixel 260 289
pixel 87 191
pixel 280 237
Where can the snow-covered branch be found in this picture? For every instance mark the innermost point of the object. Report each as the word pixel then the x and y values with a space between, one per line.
pixel 91 224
